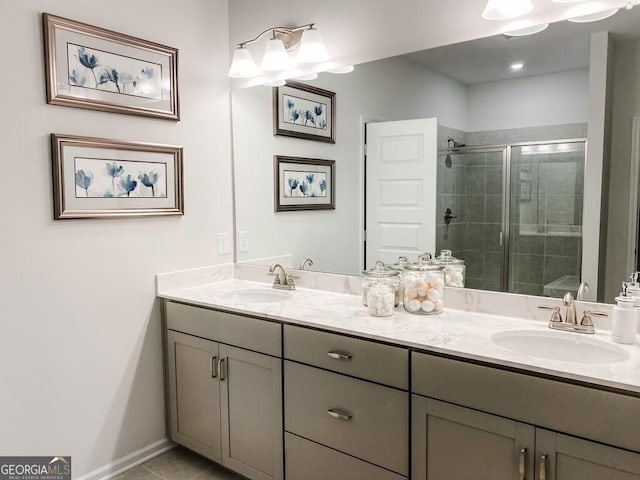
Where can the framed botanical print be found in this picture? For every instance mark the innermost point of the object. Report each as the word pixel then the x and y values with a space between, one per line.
pixel 303 184
pixel 304 111
pixel 94 68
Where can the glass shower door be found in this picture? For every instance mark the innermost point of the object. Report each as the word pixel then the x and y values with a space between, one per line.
pixel 545 224
pixel 470 206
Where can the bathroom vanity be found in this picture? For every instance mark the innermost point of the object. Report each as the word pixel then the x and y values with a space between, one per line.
pixel 305 385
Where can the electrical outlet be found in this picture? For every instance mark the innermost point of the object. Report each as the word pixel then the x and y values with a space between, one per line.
pixel 243 242
pixel 224 244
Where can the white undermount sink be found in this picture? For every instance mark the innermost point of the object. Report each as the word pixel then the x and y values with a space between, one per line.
pixel 255 295
pixel 560 346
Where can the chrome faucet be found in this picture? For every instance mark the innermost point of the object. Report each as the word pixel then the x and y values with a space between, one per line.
pixel 570 316
pixel 582 290
pixel 570 322
pixel 306 262
pixel 281 280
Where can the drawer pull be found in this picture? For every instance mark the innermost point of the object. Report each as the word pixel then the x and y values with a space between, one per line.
pixel 339 355
pixel 522 463
pixel 221 371
pixel 212 366
pixel 339 414
pixel 543 467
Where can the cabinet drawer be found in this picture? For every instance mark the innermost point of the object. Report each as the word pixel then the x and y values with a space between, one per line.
pixel 306 460
pixel 362 419
pixel 246 332
pixel 360 358
pixel 590 413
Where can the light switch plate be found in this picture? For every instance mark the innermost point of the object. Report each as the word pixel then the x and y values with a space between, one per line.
pixel 224 244
pixel 243 242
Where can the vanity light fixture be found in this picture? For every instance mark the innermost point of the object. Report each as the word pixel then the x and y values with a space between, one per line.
pixel 278 56
pixel 590 12
pixel 307 77
pixel 517 66
pixel 505 9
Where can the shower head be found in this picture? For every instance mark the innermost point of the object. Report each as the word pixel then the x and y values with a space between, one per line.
pixel 453 144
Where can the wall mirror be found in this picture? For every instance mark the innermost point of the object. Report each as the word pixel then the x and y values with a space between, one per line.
pixel 510 148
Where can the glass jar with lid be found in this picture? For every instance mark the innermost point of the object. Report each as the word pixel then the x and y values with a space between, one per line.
pixel 380 298
pixel 382 274
pixel 423 284
pixel 454 268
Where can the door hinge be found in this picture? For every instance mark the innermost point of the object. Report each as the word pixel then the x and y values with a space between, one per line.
pixel 364 235
pixel 365 149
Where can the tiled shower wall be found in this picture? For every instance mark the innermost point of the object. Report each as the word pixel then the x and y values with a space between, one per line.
pixel 472 187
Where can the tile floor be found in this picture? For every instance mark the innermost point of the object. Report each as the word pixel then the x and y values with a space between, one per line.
pixel 178 464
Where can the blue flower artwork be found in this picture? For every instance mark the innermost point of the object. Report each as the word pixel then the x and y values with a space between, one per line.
pixel 109 72
pixel 305 112
pixel 305 183
pixel 110 178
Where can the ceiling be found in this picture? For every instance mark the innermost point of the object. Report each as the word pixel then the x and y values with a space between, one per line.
pixel 563 46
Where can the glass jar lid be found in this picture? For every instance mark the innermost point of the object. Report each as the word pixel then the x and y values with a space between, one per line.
pixel 446 258
pixel 424 264
pixel 380 271
pixel 400 264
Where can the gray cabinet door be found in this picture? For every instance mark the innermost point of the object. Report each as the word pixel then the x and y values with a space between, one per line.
pixel 456 443
pixel 561 457
pixel 251 397
pixel 194 393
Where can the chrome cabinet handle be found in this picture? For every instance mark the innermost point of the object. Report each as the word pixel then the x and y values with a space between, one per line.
pixel 542 473
pixel 221 370
pixel 522 463
pixel 339 355
pixel 212 366
pixel 339 414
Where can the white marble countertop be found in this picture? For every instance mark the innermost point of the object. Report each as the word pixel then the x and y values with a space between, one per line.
pixel 455 333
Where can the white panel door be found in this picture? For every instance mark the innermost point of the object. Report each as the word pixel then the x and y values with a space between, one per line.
pixel 401 189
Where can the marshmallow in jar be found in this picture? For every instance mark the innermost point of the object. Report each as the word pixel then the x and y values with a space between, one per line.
pixel 380 299
pixel 423 284
pixel 454 269
pixel 383 274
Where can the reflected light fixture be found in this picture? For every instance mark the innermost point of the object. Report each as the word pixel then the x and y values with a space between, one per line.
pixel 278 54
pixel 590 12
pixel 504 9
pixel 517 66
pixel 346 69
pixel 517 31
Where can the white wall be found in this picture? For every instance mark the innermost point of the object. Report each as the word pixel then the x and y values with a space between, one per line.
pixel 80 362
pixel 394 89
pixel 551 99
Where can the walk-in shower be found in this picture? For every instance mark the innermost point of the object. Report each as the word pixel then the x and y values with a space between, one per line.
pixel 517 214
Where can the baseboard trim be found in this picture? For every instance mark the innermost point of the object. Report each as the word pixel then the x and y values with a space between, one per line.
pixel 127 462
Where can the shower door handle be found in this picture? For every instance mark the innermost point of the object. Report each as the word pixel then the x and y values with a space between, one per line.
pixel 501 238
